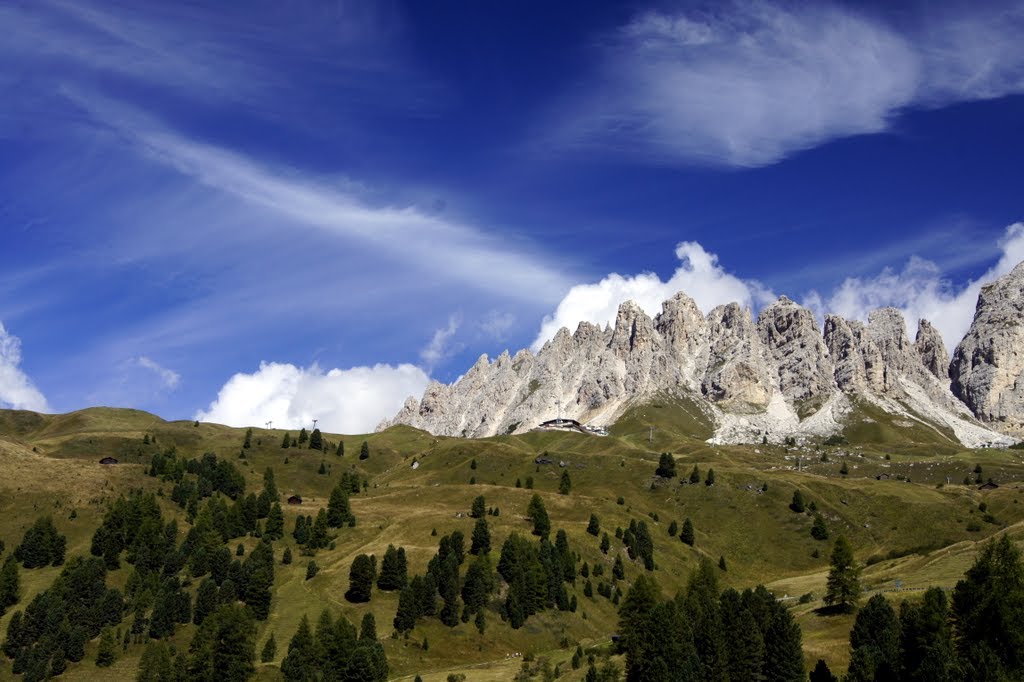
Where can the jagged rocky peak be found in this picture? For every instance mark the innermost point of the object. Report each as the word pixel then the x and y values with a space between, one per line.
pixel 796 350
pixel 846 352
pixel 932 350
pixel 987 370
pixel 634 330
pixel 681 323
pixel 737 376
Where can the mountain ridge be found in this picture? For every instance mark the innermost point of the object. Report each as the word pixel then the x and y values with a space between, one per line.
pixel 776 377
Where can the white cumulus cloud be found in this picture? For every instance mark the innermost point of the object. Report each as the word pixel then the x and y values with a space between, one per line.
pixel 351 400
pixel 698 274
pixel 920 290
pixel 16 389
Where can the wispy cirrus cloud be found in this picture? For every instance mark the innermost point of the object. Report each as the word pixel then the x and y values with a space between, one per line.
pixel 747 84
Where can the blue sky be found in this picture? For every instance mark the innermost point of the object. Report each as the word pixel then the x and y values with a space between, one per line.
pixel 276 211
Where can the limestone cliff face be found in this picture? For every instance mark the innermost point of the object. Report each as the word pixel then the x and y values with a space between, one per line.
pixel 779 376
pixel 987 370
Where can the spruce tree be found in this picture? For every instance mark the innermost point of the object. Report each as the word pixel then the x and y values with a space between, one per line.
pixel 797 505
pixel 843 587
pixel 361 575
pixel 269 651
pixel 300 662
pixel 286 441
pixel 311 569
pixel 605 543
pixel 479 507
pixel 673 528
pixel 695 475
pixel 10 584
pixel 339 513
pixel 303 436
pixel 316 441
pixel 364 450
pixel 687 534
pixel 393 569
pixel 927 651
pixel 666 466
pixel 481 541
pixel 564 483
pixel 274 529
pixel 594 527
pixel 340 452
pixel 107 652
pixel 247 443
pixel 710 480
pixel 875 643
pixel 539 515
pixel 224 646
pixel 821 673
pixel 819 531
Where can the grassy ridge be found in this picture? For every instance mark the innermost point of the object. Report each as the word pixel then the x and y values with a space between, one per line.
pixel 916 532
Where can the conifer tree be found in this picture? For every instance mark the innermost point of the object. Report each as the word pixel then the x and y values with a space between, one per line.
pixel 927 651
pixel 323 468
pixel 224 646
pixel 393 569
pixel 819 531
pixel 248 439
pixel 481 541
pixel 316 441
pixel 10 584
pixel 695 475
pixel 107 652
pixel 300 662
pixel 673 528
pixel 666 466
pixel 339 513
pixel 875 643
pixel 687 534
pixel 564 483
pixel 364 450
pixel 797 505
pixel 286 558
pixel 274 528
pixel 594 526
pixel 821 673
pixel 479 508
pixel 710 480
pixel 286 441
pixel 269 651
pixel 311 569
pixel 605 543
pixel 207 601
pixel 843 586
pixel 537 513
pixel 303 436
pixel 340 452
pixel 361 575
pixel 318 537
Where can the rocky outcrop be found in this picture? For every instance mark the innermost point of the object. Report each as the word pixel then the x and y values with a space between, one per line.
pixel 779 376
pixel 932 350
pixel 987 370
pixel 796 351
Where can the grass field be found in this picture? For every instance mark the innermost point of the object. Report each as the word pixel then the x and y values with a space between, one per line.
pixel 922 532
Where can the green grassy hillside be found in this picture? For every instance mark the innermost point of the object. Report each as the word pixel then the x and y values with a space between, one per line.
pixel 920 524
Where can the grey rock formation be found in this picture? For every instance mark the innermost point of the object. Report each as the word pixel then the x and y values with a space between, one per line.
pixel 932 350
pixel 987 370
pixel 797 352
pixel 779 375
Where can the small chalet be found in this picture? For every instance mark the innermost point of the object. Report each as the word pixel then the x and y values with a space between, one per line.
pixel 294 499
pixel 108 460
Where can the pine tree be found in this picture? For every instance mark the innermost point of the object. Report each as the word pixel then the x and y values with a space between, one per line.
pixel 269 651
pixel 323 468
pixel 286 558
pixel 687 535
pixel 10 584
pixel 364 450
pixel 393 569
pixel 274 529
pixel 987 607
pixel 927 651
pixel 318 537
pixel 286 441
pixel 311 569
pixel 797 505
pixel 339 512
pixel 821 673
pixel 695 475
pixel 481 541
pixel 564 483
pixel 207 601
pixel 710 480
pixel 303 436
pixel 843 587
pixel 360 579
pixel 539 515
pixel 605 543
pixel 844 470
pixel 224 646
pixel 300 662
pixel 666 466
pixel 479 508
pixel 340 452
pixel 248 439
pixel 673 528
pixel 594 527
pixel 316 441
pixel 819 531
pixel 875 643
